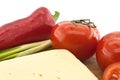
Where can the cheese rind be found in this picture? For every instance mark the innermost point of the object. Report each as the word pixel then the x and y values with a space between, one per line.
pixel 47 65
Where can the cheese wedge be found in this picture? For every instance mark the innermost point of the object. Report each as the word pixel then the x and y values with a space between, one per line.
pixel 46 65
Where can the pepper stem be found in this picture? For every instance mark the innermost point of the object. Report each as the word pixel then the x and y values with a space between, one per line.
pixel 56 15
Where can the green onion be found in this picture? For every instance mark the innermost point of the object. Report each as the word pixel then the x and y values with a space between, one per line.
pixel 25 49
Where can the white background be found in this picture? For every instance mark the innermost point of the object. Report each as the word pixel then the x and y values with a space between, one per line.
pixel 104 13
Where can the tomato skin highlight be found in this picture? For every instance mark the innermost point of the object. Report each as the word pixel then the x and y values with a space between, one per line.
pixel 80 39
pixel 35 27
pixel 108 50
pixel 112 72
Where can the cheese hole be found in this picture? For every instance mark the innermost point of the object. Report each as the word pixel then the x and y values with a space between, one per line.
pixel 10 73
pixel 34 74
pixel 40 74
pixel 58 78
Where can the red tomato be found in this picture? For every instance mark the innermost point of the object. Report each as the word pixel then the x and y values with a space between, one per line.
pixel 79 38
pixel 112 72
pixel 108 50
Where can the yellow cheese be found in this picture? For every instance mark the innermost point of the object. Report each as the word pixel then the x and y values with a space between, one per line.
pixel 47 65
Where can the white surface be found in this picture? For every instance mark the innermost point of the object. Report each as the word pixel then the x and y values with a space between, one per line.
pixel 104 13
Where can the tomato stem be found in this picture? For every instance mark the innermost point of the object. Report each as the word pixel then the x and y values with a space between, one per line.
pixel 85 22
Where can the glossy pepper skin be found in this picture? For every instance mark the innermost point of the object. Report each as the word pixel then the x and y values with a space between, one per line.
pixel 35 27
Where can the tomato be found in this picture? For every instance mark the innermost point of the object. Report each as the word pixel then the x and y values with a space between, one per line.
pixel 112 72
pixel 108 50
pixel 79 37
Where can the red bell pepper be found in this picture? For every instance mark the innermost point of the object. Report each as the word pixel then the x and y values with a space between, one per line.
pixel 35 27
